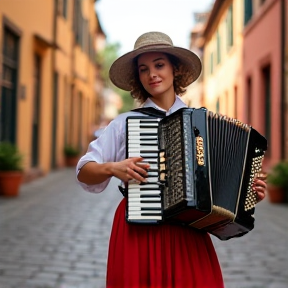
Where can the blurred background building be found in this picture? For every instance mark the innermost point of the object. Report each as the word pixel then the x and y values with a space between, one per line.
pixel 50 89
pixel 243 45
pixel 194 96
pixel 53 91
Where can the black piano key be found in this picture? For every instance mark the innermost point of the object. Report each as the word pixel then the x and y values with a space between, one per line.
pixel 148 139
pixel 148 151
pixel 150 201
pixel 153 170
pixel 144 156
pixel 147 126
pixel 150 208
pixel 145 121
pixel 148 189
pixel 150 214
pixel 145 144
pixel 150 196
pixel 148 134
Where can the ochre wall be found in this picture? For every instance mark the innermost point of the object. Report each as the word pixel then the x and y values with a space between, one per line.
pixel 76 70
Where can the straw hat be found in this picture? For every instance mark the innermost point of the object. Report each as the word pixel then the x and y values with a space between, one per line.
pixel 122 70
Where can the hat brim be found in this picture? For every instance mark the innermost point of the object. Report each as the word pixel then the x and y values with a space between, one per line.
pixel 122 70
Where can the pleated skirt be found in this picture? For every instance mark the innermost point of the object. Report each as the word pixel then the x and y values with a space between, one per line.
pixel 161 256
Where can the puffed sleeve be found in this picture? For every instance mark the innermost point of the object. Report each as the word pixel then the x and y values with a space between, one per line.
pixel 109 147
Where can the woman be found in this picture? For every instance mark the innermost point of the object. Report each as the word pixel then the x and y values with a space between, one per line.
pixel 148 256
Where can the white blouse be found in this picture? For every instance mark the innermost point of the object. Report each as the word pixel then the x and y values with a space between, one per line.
pixel 110 146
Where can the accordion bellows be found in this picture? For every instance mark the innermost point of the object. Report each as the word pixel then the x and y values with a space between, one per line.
pixel 202 168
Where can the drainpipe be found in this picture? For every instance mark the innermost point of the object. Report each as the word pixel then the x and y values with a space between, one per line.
pixel 283 86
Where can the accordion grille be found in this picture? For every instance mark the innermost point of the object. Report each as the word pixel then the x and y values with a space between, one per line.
pixel 228 139
pixel 175 139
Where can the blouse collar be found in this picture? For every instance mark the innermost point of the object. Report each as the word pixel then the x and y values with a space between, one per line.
pixel 177 105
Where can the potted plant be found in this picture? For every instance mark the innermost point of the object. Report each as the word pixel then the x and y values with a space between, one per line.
pixel 11 169
pixel 277 181
pixel 71 155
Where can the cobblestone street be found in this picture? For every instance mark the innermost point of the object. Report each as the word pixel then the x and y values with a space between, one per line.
pixel 55 235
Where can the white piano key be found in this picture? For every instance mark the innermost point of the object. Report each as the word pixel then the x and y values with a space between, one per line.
pixel 148 131
pixel 145 185
pixel 141 188
pixel 144 217
pixel 135 210
pixel 137 194
pixel 136 148
pixel 145 205
pixel 154 212
pixel 143 191
pixel 138 136
pixel 139 125
pixel 152 179
pixel 153 160
pixel 139 199
pixel 135 120
pixel 153 173
pixel 143 155
pixel 144 130
pixel 138 142
pixel 153 167
pixel 143 145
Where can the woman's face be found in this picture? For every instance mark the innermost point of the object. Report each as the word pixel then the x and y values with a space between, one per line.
pixel 156 74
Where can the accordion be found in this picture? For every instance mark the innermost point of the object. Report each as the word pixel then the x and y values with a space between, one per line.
pixel 202 166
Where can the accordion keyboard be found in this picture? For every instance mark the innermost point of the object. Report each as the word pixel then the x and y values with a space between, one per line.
pixel 144 199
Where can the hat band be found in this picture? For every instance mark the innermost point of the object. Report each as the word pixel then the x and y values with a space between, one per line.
pixel 154 45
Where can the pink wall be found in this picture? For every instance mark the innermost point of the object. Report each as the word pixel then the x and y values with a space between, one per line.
pixel 262 47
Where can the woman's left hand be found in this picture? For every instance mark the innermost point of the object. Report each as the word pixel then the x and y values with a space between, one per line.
pixel 259 186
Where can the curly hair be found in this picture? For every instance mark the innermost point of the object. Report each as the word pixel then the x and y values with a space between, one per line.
pixel 139 93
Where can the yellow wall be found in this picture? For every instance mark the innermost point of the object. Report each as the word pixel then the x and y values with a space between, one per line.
pixel 222 84
pixel 60 53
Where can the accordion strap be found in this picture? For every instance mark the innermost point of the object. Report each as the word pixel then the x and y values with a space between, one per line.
pixel 150 111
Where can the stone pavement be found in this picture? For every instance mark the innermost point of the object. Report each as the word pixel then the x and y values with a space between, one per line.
pixel 55 235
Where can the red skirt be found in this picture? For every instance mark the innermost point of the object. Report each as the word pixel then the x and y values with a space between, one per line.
pixel 162 256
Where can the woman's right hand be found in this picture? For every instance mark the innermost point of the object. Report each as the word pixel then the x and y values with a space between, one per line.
pixel 130 169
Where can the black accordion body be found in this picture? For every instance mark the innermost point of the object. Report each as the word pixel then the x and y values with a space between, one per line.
pixel 202 166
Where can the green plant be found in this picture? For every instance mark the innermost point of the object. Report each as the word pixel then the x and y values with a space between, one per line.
pixel 71 151
pixel 278 176
pixel 10 157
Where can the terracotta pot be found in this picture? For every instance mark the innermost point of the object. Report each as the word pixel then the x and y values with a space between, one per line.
pixel 276 194
pixel 10 182
pixel 71 161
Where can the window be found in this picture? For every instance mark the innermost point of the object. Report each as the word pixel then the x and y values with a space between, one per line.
pixel 226 111
pixel 8 99
pixel 218 105
pixel 211 63
pixel 266 78
pixel 36 111
pixel 235 102
pixel 249 99
pixel 218 47
pixel 62 8
pixel 81 27
pixel 248 11
pixel 229 23
pixel 65 9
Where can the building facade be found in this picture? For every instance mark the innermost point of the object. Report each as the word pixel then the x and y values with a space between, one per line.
pixel 47 89
pixel 222 59
pixel 194 92
pixel 245 52
pixel 263 72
